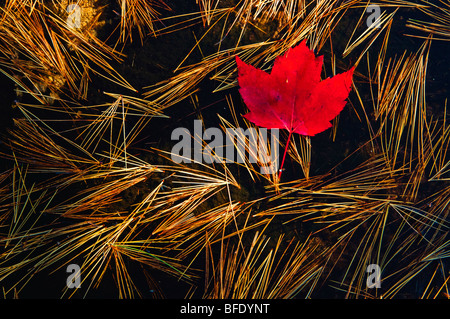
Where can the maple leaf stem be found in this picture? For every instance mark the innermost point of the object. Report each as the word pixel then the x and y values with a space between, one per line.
pixel 284 155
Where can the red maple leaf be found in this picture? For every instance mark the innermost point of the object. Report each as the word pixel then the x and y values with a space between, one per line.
pixel 292 96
